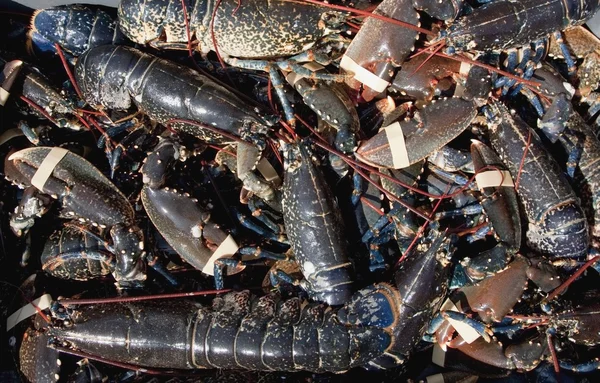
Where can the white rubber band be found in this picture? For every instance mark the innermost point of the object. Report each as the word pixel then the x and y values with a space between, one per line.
pixel 292 78
pixel 362 75
pixel 47 166
pixel 465 68
pixel 494 178
pixel 438 356
pixel 28 310
pixel 225 250
pixel 397 145
pixel 437 378
pixel 460 85
pixel 4 94
pixel 467 332
pixel 9 75
pixel 268 171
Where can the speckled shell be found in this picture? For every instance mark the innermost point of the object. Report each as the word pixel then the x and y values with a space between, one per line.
pixel 246 29
pixel 239 331
pixel 76 27
pixel 118 77
pixel 510 24
pixel 557 224
pixel 71 254
pixel 37 362
pixel 315 228
pixel 84 190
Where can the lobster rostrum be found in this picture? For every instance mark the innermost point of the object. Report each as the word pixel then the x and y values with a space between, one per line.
pixel 85 194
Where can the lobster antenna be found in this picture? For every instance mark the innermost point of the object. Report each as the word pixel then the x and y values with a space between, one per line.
pixel 572 278
pixel 275 151
pixel 39 109
pixel 39 311
pixel 370 205
pixel 522 163
pixel 127 366
pixel 289 129
pixel 187 32
pixel 68 70
pixel 93 301
pixel 433 53
pixel 490 68
pixel 555 363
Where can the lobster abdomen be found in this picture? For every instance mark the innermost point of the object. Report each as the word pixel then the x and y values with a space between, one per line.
pixel 238 332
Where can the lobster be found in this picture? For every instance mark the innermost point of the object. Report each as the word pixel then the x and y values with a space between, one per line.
pixel 118 77
pixel 495 25
pixel 377 326
pixel 84 193
pixel 577 144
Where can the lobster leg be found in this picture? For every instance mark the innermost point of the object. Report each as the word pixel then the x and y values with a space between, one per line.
pixel 268 233
pixel 590 366
pixel 572 67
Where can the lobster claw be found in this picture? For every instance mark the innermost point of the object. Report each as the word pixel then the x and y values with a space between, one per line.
pixel 483 298
pixel 184 225
pixel 83 189
pixel 500 203
pixel 37 361
pixel 436 125
pixel 374 65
